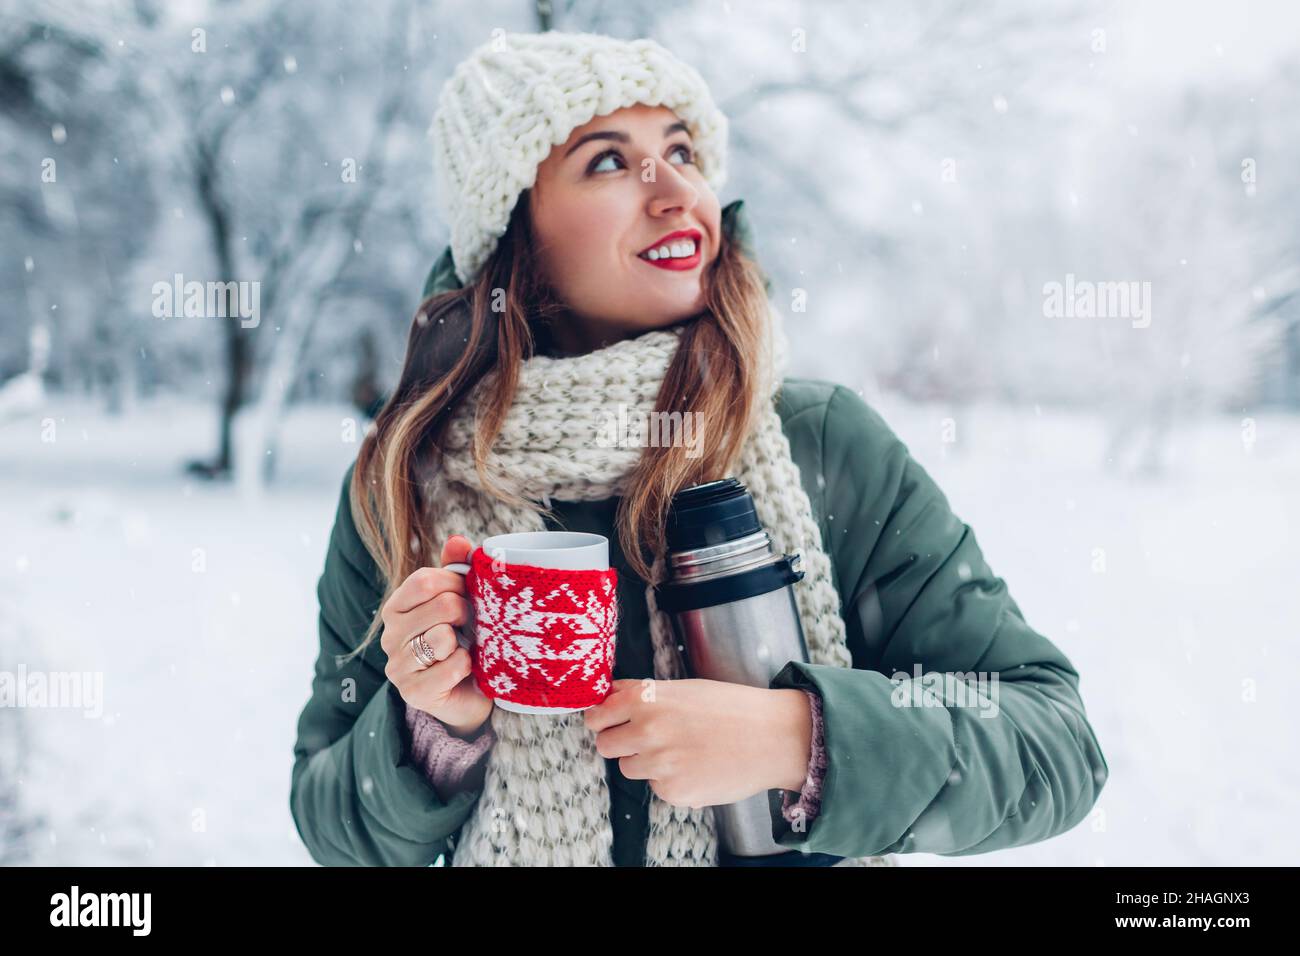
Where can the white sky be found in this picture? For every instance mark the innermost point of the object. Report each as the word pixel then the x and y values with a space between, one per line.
pixel 1176 41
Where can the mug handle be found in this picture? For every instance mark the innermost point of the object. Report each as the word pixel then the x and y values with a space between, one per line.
pixel 461 632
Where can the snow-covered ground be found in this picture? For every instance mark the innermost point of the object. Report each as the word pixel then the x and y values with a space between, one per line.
pixel 197 606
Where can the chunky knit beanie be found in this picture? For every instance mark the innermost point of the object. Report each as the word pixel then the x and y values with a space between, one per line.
pixel 520 94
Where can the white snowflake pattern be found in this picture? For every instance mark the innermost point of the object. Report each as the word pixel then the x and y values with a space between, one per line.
pixel 502 684
pixel 519 632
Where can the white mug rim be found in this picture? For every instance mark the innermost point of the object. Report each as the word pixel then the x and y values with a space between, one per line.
pixel 576 550
pixel 585 539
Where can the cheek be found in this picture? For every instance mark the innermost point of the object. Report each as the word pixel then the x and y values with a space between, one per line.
pixel 585 263
pixel 575 245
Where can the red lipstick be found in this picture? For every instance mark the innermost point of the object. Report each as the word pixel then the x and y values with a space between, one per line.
pixel 672 263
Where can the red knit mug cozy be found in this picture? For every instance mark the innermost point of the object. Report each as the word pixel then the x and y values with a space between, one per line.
pixel 543 637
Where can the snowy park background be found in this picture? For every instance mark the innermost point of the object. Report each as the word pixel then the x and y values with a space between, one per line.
pixel 916 174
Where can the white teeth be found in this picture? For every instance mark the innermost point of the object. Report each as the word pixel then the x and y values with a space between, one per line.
pixel 678 250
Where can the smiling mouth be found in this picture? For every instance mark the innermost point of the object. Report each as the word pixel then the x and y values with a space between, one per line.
pixel 675 255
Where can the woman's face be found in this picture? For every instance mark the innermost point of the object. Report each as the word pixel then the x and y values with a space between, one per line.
pixel 611 192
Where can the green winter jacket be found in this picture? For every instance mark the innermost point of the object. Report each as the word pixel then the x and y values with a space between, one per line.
pixel 915 590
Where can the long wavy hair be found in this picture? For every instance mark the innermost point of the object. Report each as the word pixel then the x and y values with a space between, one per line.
pixel 500 320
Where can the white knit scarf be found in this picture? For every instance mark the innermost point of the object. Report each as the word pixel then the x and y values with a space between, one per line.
pixel 545 798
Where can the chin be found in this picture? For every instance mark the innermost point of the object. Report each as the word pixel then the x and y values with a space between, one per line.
pixel 669 316
pixel 682 304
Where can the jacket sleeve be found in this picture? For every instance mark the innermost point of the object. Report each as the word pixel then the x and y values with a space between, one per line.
pixel 356 796
pixel 1003 758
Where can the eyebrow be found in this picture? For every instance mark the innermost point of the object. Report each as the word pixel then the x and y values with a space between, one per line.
pixel 621 137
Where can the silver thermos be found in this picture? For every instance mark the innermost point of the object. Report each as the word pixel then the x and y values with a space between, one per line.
pixel 730 598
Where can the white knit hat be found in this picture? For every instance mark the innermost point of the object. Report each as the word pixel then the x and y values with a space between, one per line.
pixel 520 94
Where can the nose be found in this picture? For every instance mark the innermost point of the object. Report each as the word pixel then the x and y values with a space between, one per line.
pixel 671 191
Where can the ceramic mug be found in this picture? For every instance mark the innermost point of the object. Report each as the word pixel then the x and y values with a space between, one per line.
pixel 543 620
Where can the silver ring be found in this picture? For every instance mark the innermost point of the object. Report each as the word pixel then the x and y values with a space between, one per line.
pixel 422 652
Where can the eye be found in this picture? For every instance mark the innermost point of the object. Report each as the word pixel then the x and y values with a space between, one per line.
pixel 690 155
pixel 614 154
pixel 607 154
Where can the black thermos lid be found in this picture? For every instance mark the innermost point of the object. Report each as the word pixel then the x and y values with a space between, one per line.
pixel 709 514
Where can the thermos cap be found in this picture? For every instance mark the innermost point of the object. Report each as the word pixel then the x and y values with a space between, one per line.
pixel 710 514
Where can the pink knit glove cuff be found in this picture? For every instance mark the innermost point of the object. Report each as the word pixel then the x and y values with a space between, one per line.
pixel 809 800
pixel 449 763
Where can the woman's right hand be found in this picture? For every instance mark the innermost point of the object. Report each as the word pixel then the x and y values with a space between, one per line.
pixel 432 602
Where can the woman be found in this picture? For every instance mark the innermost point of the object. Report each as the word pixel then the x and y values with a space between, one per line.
pixel 591 265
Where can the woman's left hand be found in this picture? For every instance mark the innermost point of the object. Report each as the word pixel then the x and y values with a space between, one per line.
pixel 704 742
